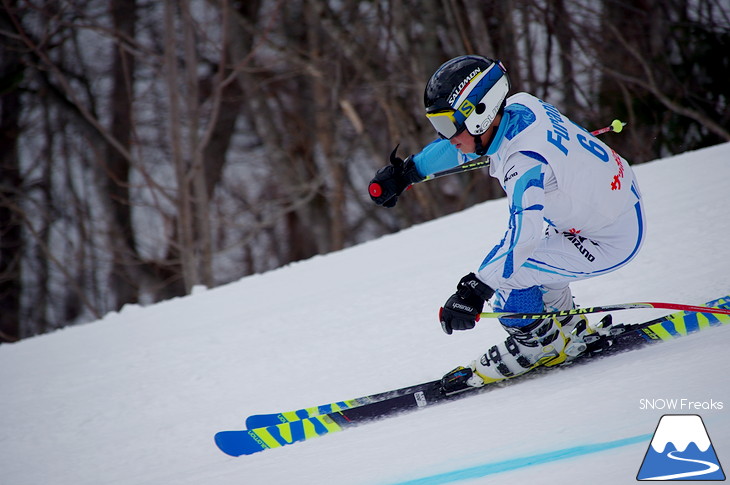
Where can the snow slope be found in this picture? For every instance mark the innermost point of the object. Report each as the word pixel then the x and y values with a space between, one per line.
pixel 136 397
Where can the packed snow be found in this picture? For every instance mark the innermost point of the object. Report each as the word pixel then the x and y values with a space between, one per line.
pixel 136 397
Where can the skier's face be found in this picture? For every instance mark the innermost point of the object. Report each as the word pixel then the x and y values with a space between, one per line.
pixel 464 141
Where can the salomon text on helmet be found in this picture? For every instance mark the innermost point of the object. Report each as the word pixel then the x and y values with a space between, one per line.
pixel 466 92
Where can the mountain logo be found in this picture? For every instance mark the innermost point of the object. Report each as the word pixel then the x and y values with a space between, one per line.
pixel 681 450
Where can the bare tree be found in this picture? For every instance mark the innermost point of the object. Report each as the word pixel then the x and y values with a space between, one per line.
pixel 149 147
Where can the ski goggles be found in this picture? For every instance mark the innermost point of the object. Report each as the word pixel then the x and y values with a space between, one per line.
pixel 445 123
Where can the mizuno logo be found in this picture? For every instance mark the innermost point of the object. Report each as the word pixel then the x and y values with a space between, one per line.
pixel 578 243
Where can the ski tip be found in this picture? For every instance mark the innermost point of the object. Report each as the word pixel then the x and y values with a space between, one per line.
pixel 224 444
pixel 261 420
pixel 235 443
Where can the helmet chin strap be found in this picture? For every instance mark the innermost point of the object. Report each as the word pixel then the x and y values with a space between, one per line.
pixel 479 149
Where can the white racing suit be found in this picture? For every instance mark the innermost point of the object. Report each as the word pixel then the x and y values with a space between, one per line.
pixel 552 171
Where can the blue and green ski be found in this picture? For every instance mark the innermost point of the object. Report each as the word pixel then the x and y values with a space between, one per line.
pixel 267 431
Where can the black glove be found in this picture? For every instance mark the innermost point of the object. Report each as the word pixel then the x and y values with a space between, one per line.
pixel 461 311
pixel 390 181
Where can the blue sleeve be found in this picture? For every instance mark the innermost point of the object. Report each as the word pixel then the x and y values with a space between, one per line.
pixel 437 156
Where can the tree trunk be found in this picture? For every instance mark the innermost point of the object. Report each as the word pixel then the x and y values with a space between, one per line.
pixel 12 244
pixel 124 276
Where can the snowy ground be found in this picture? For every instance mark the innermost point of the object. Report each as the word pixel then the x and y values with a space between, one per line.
pixel 137 397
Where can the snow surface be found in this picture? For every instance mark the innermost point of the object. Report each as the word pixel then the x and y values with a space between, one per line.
pixel 136 397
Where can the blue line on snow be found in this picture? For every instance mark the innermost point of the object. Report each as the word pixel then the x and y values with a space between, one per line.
pixel 524 462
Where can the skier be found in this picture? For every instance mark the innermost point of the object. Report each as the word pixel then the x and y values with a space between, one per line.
pixel 553 171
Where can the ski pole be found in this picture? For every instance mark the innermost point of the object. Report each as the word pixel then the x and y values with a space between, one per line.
pixel 616 126
pixel 609 308
pixel 483 162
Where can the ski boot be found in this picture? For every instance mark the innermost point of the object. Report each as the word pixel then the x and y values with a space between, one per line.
pixel 540 343
pixel 545 342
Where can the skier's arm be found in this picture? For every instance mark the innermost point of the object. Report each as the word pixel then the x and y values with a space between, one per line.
pixel 390 181
pixel 439 155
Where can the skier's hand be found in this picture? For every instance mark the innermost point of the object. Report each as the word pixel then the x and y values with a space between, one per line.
pixel 390 181
pixel 461 311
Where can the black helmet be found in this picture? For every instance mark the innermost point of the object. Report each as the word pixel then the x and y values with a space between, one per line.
pixel 465 93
